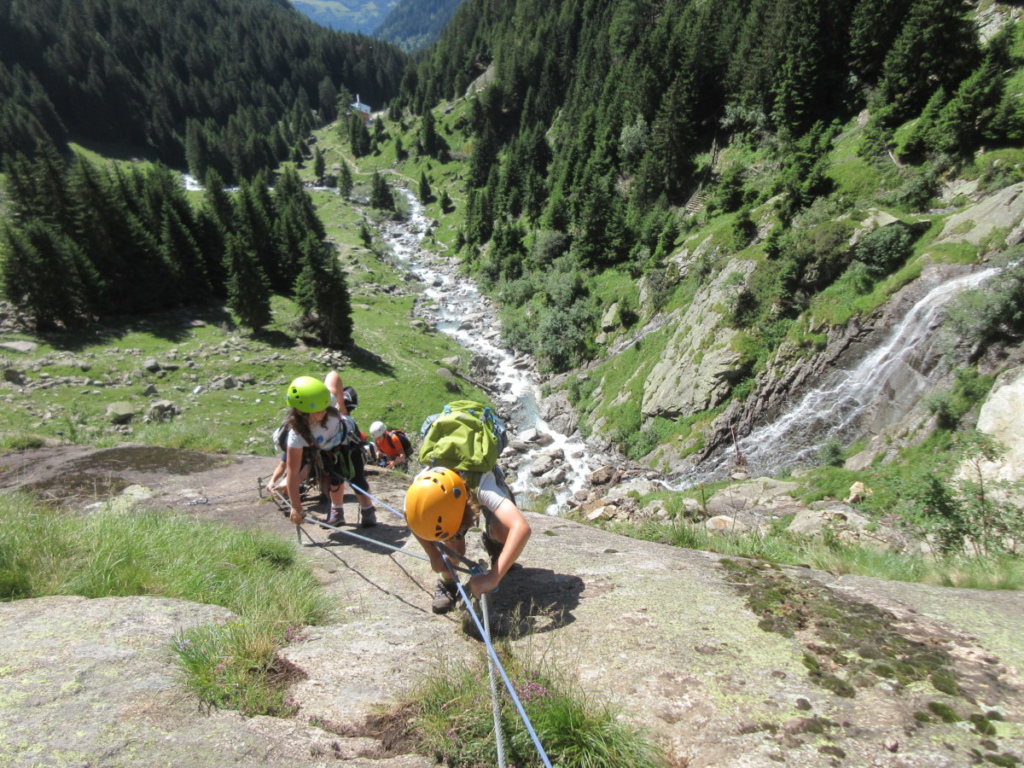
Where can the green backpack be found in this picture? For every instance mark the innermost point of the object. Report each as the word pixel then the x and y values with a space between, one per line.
pixel 466 436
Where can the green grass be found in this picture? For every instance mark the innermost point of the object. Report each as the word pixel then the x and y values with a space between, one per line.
pixel 778 546
pixel 451 714
pixel 121 552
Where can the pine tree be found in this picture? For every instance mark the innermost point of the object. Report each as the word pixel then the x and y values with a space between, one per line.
pixel 321 292
pixel 197 152
pixel 380 194
pixel 46 276
pixel 937 47
pixel 425 193
pixel 428 135
pixel 248 288
pixel 359 136
pixel 319 165
pixel 181 253
pixel 345 180
pixel 485 156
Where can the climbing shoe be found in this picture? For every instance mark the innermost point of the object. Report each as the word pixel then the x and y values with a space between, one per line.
pixel 336 516
pixel 445 596
pixel 368 517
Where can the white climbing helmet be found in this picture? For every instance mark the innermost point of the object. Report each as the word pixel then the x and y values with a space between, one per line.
pixel 377 429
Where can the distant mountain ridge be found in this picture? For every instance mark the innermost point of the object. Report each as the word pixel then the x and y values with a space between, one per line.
pixel 409 24
pixel 361 16
pixel 415 24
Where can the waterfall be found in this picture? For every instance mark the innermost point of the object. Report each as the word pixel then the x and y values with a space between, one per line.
pixel 455 306
pixel 852 403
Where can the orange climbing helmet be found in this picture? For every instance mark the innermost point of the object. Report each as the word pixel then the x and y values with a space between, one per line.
pixel 435 504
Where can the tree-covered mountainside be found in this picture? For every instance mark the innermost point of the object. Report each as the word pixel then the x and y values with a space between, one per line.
pixel 604 122
pixel 228 84
pixel 86 242
pixel 361 16
pixel 415 24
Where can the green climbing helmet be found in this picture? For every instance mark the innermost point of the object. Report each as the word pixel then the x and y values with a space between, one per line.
pixel 308 395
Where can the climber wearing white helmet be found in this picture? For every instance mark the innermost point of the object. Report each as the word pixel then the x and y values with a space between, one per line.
pixel 392 444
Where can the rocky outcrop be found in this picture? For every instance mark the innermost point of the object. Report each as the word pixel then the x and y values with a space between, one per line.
pixel 998 217
pixel 699 366
pixel 1002 417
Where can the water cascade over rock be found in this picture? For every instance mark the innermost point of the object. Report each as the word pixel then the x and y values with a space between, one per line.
pixel 854 402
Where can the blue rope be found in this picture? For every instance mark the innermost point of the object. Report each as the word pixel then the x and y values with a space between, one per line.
pixel 497 662
pixel 474 569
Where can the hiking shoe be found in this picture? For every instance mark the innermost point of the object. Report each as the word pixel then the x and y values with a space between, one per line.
pixel 445 596
pixel 336 516
pixel 368 517
pixel 493 547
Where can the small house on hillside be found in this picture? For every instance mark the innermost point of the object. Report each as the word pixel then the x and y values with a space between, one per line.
pixel 363 110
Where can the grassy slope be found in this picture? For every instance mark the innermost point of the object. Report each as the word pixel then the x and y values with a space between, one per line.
pixel 393 365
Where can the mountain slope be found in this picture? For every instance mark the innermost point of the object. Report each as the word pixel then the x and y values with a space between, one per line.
pixel 136 73
pixel 718 662
pixel 624 155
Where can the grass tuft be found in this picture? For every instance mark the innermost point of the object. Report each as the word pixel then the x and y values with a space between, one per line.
pixel 452 715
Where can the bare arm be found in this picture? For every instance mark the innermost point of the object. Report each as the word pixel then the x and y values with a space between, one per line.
pixel 333 383
pixel 516 531
pixel 293 463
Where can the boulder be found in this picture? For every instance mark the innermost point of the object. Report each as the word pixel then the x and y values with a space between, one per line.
pixel 1002 418
pixel 724 524
pixel 161 410
pixel 602 476
pixel 120 413
pixel 611 318
pixel 19 346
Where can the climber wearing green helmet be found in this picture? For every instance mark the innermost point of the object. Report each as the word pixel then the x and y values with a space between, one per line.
pixel 318 418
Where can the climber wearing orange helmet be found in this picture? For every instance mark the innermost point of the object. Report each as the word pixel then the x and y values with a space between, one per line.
pixel 440 506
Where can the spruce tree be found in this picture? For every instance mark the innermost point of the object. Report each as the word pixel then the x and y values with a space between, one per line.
pixel 425 193
pixel 937 47
pixel 46 276
pixel 428 134
pixel 248 288
pixel 321 292
pixel 319 165
pixel 345 180
pixel 380 194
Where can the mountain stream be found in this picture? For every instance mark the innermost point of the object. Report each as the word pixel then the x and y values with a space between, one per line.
pixel 453 304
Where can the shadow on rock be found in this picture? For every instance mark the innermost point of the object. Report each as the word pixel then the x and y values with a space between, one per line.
pixel 530 601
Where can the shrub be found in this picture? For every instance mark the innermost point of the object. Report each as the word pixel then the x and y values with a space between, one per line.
pixel 966 513
pixel 831 453
pixel 884 249
pixel 993 313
